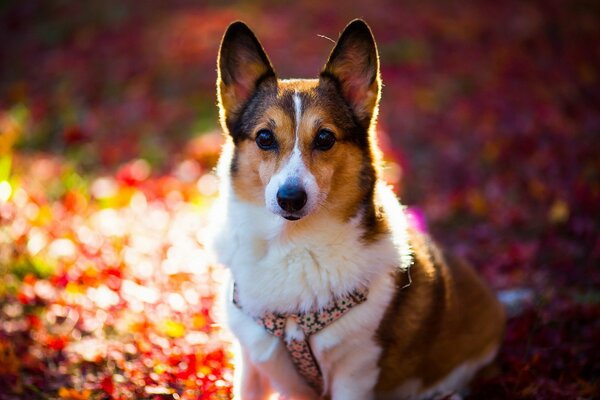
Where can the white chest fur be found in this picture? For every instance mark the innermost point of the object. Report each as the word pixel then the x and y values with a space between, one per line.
pixel 286 270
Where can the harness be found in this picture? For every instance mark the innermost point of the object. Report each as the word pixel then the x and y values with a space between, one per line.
pixel 310 322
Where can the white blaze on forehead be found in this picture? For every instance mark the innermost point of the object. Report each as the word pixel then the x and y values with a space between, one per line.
pixel 295 168
pixel 298 114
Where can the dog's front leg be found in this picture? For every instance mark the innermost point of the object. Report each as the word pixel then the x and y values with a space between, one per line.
pixel 354 378
pixel 271 358
pixel 249 383
pixel 263 356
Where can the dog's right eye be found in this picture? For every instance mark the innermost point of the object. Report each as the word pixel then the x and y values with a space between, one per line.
pixel 266 140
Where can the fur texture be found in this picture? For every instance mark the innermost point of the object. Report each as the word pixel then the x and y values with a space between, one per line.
pixel 427 325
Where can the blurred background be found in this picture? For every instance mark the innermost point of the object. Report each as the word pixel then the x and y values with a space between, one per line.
pixel 489 122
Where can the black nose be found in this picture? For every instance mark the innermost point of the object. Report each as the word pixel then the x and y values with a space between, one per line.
pixel 291 197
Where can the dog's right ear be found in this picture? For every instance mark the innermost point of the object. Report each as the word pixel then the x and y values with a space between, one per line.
pixel 242 66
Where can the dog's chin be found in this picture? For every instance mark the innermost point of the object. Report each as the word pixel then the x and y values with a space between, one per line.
pixel 289 216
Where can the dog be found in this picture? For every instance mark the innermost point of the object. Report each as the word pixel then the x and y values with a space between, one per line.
pixel 332 293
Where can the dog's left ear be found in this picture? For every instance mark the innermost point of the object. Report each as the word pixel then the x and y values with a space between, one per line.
pixel 354 64
pixel 242 66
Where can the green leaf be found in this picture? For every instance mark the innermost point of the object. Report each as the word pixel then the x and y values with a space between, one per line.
pixel 5 166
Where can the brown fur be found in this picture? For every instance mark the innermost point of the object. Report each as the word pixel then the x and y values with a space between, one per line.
pixel 444 318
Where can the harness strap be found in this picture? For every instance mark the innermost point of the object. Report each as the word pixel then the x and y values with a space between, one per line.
pixel 310 323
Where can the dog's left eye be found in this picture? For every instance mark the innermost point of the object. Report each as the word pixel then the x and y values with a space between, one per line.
pixel 324 140
pixel 266 140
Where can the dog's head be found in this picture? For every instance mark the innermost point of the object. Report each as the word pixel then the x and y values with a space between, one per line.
pixel 301 146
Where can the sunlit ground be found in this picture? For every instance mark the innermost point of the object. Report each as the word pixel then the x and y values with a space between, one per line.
pixel 107 285
pixel 108 137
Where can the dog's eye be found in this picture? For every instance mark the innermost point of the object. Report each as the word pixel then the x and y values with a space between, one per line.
pixel 266 140
pixel 324 140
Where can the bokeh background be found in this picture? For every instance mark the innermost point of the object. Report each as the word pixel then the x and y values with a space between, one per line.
pixel 489 121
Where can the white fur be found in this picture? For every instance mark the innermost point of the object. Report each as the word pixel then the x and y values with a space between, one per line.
pixel 297 112
pixel 293 331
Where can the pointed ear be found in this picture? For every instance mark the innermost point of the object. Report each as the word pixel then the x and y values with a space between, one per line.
pixel 354 64
pixel 242 65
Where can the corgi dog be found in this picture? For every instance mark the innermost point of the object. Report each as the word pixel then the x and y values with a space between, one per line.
pixel 332 293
